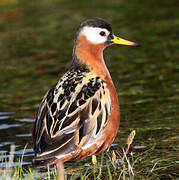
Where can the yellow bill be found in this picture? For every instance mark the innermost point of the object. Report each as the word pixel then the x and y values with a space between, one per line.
pixel 117 40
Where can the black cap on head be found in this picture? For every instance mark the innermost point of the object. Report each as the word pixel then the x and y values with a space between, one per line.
pixel 96 22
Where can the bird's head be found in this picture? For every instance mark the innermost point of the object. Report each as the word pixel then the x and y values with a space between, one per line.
pixel 92 37
pixel 99 32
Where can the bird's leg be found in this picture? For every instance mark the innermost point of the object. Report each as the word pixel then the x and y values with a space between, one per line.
pixel 60 171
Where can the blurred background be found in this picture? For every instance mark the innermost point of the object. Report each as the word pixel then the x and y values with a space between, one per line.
pixel 36 41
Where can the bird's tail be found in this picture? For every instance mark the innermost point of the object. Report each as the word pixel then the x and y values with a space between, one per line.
pixel 39 162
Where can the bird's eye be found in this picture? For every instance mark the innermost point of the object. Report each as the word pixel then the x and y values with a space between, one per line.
pixel 102 33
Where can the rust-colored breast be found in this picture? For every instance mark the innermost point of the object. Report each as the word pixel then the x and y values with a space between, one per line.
pixel 92 55
pixel 80 115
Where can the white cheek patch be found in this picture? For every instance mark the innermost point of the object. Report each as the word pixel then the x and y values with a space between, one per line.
pixel 93 34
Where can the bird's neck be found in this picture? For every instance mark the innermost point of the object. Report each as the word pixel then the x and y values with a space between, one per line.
pixel 91 55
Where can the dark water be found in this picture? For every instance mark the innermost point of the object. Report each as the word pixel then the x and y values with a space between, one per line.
pixel 36 40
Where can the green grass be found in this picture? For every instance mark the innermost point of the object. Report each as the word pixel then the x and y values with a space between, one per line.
pixel 123 164
pixel 107 167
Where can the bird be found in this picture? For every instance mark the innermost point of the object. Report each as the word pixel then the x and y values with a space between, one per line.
pixel 80 115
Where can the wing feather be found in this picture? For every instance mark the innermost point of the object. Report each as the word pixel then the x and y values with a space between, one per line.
pixel 75 110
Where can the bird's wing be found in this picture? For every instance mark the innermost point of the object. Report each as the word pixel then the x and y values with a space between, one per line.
pixel 71 114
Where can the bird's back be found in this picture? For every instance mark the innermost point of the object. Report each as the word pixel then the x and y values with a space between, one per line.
pixel 71 117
